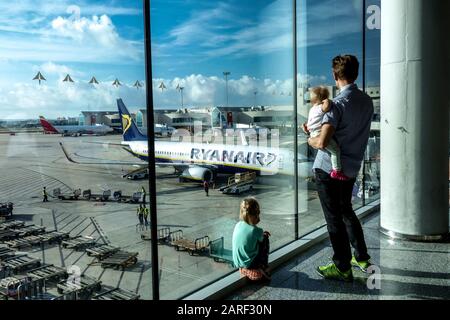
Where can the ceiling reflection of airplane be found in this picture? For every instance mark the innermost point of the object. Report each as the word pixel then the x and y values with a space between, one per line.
pixel 39 77
pixel 137 85
pixel 68 79
pixel 93 81
pixel 116 83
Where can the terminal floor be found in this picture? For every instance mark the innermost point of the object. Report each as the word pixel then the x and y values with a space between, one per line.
pixel 409 270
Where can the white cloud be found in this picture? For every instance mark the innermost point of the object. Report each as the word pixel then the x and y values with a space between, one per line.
pixel 52 68
pixel 84 30
pixel 48 31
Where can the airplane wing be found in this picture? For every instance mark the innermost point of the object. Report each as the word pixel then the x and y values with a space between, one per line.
pixel 180 165
pixel 98 162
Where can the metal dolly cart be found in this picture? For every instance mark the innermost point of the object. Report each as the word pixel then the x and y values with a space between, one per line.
pixel 17 287
pixel 6 253
pixel 219 253
pixel 30 230
pixel 135 198
pixel 198 245
pixel 24 242
pixel 54 237
pixel 78 243
pixel 20 263
pixel 101 252
pixel 48 273
pixel 7 234
pixel 74 195
pixel 163 235
pixel 120 260
pixel 6 209
pixel 104 196
pixel 79 287
pixel 13 224
pixel 116 294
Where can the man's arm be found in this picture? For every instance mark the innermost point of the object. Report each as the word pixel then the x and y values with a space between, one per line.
pixel 322 141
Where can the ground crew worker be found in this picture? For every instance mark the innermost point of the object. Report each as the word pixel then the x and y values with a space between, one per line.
pixel 146 213
pixel 140 214
pixel 144 194
pixel 206 186
pixel 45 195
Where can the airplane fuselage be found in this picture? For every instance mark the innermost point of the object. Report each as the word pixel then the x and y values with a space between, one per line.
pixel 224 158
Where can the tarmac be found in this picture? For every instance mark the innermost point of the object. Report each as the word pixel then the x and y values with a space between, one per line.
pixel 31 161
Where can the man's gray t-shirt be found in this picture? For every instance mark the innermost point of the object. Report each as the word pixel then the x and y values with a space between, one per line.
pixel 351 115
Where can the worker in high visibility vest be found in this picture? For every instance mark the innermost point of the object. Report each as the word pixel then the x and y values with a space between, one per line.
pixel 146 215
pixel 140 214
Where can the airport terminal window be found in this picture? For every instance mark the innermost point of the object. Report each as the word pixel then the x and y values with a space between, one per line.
pixel 210 55
pixel 325 29
pixel 68 63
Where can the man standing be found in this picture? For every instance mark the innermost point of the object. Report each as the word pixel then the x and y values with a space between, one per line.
pixel 206 187
pixel 348 122
pixel 144 195
pixel 45 195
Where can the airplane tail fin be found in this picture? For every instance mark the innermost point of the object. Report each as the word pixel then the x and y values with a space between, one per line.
pixel 130 130
pixel 47 125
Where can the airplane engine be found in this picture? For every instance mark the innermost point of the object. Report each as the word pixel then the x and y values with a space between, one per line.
pixel 197 173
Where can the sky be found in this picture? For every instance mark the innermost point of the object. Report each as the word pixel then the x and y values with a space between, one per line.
pixel 193 43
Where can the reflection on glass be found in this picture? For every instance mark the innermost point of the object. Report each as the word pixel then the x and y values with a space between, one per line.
pixel 323 33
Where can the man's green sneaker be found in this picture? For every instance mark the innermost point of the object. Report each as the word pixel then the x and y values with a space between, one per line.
pixel 362 265
pixel 330 271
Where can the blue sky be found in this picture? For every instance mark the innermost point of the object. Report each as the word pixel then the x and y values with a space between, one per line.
pixel 193 41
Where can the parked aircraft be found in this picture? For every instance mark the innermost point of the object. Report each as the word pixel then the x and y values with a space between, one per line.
pixel 197 161
pixel 98 129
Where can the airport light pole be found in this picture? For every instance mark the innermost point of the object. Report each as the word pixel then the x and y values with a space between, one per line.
pixel 181 91
pixel 226 74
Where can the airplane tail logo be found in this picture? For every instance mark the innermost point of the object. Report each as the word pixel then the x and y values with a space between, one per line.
pixel 47 125
pixel 130 130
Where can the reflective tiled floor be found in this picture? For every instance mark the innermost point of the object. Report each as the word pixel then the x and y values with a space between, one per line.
pixel 407 270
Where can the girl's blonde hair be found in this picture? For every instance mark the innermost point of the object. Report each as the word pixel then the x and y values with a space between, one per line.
pixel 249 207
pixel 318 94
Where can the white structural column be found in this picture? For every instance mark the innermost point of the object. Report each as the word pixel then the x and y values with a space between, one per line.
pixel 415 104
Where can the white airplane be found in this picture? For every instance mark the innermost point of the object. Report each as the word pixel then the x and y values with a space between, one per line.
pixel 98 129
pixel 197 161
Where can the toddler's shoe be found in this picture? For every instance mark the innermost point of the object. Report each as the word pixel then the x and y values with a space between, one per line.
pixel 338 175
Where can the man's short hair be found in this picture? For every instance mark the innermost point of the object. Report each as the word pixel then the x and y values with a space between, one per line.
pixel 346 67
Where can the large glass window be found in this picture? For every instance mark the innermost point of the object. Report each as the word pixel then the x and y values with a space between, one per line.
pixel 237 57
pixel 225 98
pixel 325 29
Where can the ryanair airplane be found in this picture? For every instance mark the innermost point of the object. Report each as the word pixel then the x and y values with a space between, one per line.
pixel 197 161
